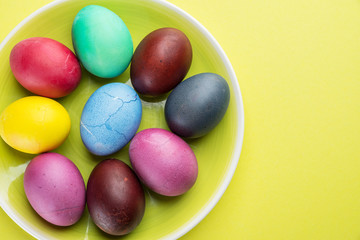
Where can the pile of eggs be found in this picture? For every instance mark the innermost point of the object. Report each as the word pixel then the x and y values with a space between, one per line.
pixel 159 158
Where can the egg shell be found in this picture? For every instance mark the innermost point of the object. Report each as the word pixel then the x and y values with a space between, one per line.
pixel 115 198
pixel 164 162
pixel 55 188
pixel 45 67
pixel 197 105
pixel 102 41
pixel 161 60
pixel 34 124
pixel 110 118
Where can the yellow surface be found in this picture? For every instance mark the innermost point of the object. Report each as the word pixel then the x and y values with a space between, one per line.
pixel 298 65
pixel 163 216
pixel 34 124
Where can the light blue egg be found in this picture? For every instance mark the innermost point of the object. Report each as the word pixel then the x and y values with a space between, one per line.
pixel 110 118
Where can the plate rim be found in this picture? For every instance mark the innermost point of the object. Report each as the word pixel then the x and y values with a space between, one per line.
pixel 196 219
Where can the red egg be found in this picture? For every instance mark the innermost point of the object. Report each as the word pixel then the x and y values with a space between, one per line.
pixel 45 67
pixel 160 62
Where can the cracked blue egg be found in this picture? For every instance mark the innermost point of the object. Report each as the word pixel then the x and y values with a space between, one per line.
pixel 110 118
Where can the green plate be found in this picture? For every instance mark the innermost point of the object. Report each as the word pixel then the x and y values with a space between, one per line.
pixel 217 153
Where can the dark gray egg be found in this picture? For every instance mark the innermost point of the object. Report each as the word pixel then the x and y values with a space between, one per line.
pixel 197 105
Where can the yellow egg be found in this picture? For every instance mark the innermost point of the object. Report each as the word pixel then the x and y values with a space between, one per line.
pixel 34 124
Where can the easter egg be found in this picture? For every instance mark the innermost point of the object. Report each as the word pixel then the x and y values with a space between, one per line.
pixel 115 198
pixel 102 41
pixel 55 188
pixel 164 162
pixel 45 67
pixel 161 60
pixel 34 124
pixel 197 105
pixel 110 118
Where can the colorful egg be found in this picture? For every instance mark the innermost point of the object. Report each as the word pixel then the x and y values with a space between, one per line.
pixel 115 198
pixel 160 62
pixel 163 161
pixel 197 105
pixel 102 41
pixel 55 188
pixel 34 124
pixel 45 67
pixel 110 118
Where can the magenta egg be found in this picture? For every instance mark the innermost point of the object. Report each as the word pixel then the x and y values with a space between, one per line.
pixel 45 67
pixel 55 188
pixel 164 162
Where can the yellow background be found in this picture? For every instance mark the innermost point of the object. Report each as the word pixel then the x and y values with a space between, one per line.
pixel 298 66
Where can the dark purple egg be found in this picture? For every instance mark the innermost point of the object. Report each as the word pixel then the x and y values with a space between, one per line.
pixel 197 105
pixel 115 198
pixel 160 62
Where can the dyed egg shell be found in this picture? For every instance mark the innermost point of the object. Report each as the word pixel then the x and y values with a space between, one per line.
pixel 160 62
pixel 115 198
pixel 197 105
pixel 163 161
pixel 102 41
pixel 34 124
pixel 55 188
pixel 110 118
pixel 45 67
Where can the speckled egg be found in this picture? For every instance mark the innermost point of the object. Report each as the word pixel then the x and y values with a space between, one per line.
pixel 163 161
pixel 102 41
pixel 110 118
pixel 55 188
pixel 197 105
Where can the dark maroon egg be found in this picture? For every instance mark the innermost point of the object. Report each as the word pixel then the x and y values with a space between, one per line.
pixel 115 198
pixel 160 62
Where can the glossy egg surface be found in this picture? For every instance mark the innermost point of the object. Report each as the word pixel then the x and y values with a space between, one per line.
pixel 34 124
pixel 102 41
pixel 115 198
pixel 161 60
pixel 45 67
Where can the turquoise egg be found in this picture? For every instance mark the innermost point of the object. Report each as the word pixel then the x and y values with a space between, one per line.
pixel 102 41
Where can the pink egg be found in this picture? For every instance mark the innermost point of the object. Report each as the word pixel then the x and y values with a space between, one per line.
pixel 45 67
pixel 55 188
pixel 164 162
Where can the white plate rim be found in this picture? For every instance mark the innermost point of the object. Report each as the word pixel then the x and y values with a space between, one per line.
pixel 239 133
